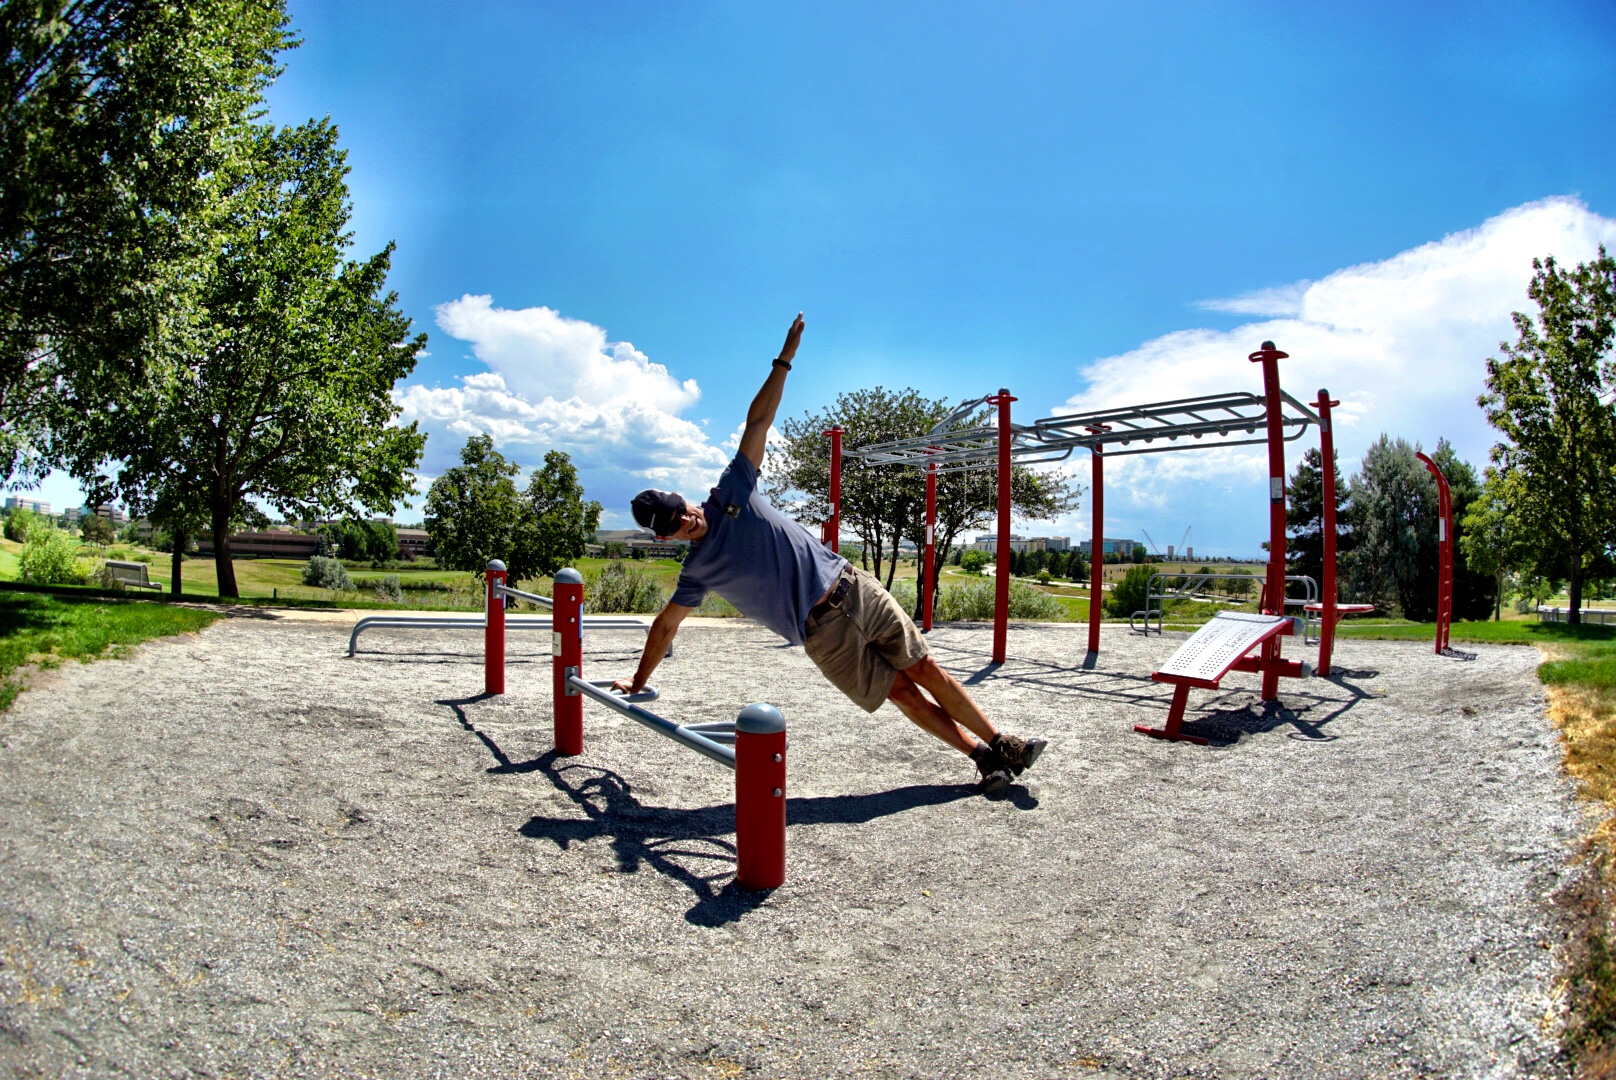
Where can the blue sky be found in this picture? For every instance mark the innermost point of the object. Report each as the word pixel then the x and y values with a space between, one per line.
pixel 607 214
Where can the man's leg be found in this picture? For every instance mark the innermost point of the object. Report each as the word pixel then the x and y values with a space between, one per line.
pixel 926 714
pixel 949 694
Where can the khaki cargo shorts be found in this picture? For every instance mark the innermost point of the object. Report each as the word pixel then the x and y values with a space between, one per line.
pixel 861 645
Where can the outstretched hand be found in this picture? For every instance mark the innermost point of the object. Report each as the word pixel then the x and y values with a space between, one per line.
pixel 793 336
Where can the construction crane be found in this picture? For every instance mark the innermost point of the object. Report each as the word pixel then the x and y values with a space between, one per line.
pixel 1182 540
pixel 1152 544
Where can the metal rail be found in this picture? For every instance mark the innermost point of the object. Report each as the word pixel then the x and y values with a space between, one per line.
pixel 512 622
pixel 1157 593
pixel 542 601
pixel 696 738
pixel 1053 438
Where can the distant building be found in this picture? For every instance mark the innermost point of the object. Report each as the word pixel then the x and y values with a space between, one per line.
pixel 413 543
pixel 1057 543
pixel 990 543
pixel 277 544
pixel 1109 546
pixel 37 506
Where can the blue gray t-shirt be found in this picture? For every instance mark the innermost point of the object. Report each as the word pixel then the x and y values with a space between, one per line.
pixel 771 568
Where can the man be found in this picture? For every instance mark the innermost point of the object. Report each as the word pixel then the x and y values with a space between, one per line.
pixel 777 572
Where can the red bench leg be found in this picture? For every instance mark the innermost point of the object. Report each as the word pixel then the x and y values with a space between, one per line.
pixel 1175 720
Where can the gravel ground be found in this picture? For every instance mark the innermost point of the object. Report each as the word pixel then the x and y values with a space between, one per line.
pixel 244 854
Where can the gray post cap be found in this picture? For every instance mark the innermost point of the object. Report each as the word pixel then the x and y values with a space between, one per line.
pixel 495 564
pixel 760 718
pixel 568 576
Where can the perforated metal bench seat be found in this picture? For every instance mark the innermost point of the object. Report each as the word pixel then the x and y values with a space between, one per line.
pixel 1223 645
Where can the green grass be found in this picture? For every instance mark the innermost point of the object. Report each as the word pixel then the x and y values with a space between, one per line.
pixel 1509 632
pixel 46 629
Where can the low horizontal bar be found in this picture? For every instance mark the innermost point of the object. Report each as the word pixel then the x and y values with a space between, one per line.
pixel 702 745
pixel 647 694
pixel 512 622
pixel 543 601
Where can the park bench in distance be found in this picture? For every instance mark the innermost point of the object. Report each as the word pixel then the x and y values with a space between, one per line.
pixel 132 574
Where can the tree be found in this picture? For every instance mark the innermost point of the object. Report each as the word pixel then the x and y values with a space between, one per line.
pixel 474 514
pixel 556 520
pixel 278 389
pixel 1394 518
pixel 96 530
pixel 1304 517
pixel 972 560
pixel 372 541
pixel 1548 396
pixel 1491 542
pixel 1129 594
pixel 1475 590
pixel 111 116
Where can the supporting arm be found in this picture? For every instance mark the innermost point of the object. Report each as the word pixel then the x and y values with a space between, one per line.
pixel 761 414
pixel 663 628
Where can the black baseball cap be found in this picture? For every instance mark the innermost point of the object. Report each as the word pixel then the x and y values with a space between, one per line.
pixel 659 511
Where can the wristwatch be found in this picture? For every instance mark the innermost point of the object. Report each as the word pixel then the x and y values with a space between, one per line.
pixel 782 363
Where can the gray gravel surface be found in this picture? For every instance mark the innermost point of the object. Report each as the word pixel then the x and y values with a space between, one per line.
pixel 244 854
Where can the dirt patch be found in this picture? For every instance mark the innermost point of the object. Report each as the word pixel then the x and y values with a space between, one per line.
pixel 244 853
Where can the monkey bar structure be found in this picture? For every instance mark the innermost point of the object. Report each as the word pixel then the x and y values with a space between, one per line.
pixel 959 443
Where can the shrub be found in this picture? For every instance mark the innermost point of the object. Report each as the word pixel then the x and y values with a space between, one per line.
pixel 49 557
pixel 17 523
pixel 324 573
pixel 1045 577
pixel 388 589
pixel 973 560
pixel 1128 596
pixel 974 602
pixel 618 587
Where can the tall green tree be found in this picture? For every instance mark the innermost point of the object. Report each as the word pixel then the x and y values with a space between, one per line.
pixel 114 120
pixel 474 513
pixel 1475 589
pixel 277 389
pixel 1491 540
pixel 1394 519
pixel 1549 395
pixel 1304 517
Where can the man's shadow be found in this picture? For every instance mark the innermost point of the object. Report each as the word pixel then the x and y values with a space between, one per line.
pixel 665 839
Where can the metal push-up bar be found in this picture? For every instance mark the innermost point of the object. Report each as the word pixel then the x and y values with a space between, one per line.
pixel 753 745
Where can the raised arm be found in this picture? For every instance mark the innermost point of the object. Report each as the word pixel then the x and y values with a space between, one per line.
pixel 761 414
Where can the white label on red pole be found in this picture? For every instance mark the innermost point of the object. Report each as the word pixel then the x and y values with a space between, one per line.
pixel 1276 488
pixel 1441 528
pixel 555 643
pixel 928 534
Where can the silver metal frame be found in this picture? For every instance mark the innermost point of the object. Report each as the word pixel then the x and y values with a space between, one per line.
pixel 699 738
pixel 512 622
pixel 1192 590
pixel 542 601
pixel 1053 438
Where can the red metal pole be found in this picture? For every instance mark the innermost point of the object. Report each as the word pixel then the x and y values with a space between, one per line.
pixel 1097 545
pixel 1327 617
pixel 1269 357
pixel 831 535
pixel 567 653
pixel 1444 536
pixel 1001 586
pixel 928 578
pixel 494 629
pixel 760 798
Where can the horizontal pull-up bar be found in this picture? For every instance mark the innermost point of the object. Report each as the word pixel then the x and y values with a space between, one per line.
pixel 542 601
pixel 696 741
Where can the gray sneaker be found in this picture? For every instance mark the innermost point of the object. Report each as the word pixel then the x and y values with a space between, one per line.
pixel 992 769
pixel 1018 753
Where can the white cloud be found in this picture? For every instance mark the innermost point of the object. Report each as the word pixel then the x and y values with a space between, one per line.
pixel 1402 343
pixel 555 383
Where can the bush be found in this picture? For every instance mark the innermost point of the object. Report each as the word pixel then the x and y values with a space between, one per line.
pixel 617 587
pixel 17 524
pixel 388 589
pixel 49 557
pixel 1128 596
pixel 974 602
pixel 324 573
pixel 1045 577
pixel 973 560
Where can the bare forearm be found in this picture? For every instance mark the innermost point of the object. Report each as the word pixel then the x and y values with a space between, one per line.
pixel 767 401
pixel 656 647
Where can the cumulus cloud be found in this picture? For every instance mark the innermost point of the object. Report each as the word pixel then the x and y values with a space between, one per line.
pixel 1402 343
pixel 555 383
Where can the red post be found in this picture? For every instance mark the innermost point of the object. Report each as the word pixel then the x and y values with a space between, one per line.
pixel 760 798
pixel 1269 357
pixel 831 534
pixel 1444 536
pixel 494 629
pixel 1001 558
pixel 567 658
pixel 1327 617
pixel 928 577
pixel 1097 545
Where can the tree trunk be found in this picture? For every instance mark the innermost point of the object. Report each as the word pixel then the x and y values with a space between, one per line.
pixel 1498 597
pixel 1574 593
pixel 176 561
pixel 897 545
pixel 223 566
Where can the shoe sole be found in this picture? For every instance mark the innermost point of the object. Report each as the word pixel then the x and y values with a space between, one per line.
pixel 1034 748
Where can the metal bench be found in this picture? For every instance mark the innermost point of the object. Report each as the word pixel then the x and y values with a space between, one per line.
pixel 1219 647
pixel 131 574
